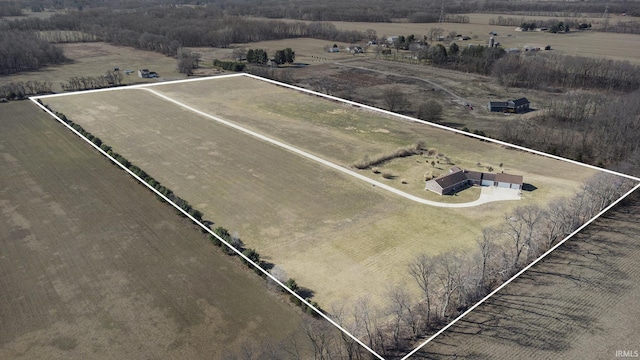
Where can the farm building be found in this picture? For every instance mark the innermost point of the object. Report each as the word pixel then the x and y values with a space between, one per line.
pixel 512 106
pixel 143 73
pixel 458 179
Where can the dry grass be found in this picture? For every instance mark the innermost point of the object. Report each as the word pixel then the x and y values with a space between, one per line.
pixel 295 213
pixel 95 59
pixel 94 267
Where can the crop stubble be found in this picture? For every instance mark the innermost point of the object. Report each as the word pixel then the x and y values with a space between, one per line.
pixel 92 266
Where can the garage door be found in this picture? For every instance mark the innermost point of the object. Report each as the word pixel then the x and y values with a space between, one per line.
pixel 515 186
pixel 504 185
pixel 487 183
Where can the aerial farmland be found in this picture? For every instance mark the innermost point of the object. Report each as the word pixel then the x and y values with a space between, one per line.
pixel 341 237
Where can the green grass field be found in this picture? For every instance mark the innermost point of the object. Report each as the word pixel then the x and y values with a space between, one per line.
pixel 337 235
pixel 93 266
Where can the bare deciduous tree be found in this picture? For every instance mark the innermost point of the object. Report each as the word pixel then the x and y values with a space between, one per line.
pixel 394 99
pixel 422 269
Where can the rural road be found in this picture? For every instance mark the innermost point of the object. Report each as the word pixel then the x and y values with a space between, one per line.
pixel 485 197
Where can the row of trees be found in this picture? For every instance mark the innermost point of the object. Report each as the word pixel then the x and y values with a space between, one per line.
pixel 543 70
pixel 109 79
pixel 478 59
pixel 24 51
pixel 446 284
pixel 589 127
pixel 229 65
pixel 20 90
pixel 187 61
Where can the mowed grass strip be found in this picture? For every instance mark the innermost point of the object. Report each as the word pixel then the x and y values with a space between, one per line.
pixel 334 234
pixel 93 266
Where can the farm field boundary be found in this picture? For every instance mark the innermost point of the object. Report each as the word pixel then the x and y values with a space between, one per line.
pixel 207 229
pixel 364 107
pixel 348 102
pixel 635 188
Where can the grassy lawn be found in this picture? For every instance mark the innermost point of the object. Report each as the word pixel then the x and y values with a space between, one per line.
pixel 93 266
pixel 339 236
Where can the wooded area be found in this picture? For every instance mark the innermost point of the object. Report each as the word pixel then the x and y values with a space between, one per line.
pixel 24 51
pixel 165 30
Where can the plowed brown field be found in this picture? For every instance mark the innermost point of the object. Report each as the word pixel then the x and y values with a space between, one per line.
pixel 93 266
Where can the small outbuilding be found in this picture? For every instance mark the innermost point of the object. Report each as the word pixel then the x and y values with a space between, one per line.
pixel 143 73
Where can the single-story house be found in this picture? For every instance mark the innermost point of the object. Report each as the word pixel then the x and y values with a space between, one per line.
pixel 458 179
pixel 450 183
pixel 513 106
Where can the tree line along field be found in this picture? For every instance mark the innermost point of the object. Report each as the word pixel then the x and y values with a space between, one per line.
pixel 338 236
pixel 579 302
pixel 93 266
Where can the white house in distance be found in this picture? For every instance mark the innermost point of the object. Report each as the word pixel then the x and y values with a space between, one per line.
pixel 458 179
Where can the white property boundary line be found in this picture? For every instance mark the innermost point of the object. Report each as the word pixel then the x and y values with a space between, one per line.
pixel 404 117
pixel 208 230
pixel 349 102
pixel 521 271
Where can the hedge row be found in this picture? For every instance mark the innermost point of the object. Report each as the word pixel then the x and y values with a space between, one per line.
pixel 229 65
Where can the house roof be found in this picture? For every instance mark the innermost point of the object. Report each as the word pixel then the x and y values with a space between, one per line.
pixel 451 179
pixel 508 178
pixel 520 102
pixel 474 175
pixel 457 175
pixel 498 104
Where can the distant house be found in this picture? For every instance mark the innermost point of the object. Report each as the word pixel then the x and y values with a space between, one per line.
pixel 512 106
pixel 143 73
pixel 392 39
pixel 458 179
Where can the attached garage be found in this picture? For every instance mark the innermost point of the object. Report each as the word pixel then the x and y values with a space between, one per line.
pixel 487 183
pixel 509 181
